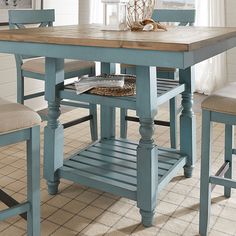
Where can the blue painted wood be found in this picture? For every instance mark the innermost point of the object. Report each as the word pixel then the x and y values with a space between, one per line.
pixel 33 181
pixel 182 17
pixel 180 60
pixel 147 152
pixel 32 205
pixel 111 165
pixel 207 179
pixel 20 18
pixel 13 211
pixel 30 16
pixel 108 113
pixel 175 15
pixel 205 188
pixel 53 132
pixel 187 121
pixel 229 141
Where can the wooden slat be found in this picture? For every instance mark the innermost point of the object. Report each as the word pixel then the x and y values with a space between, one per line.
pixel 104 165
pixel 102 171
pixel 117 155
pixel 116 149
pixel 98 182
pixel 110 165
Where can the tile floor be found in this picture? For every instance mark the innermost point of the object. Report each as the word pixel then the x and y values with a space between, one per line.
pixel 78 210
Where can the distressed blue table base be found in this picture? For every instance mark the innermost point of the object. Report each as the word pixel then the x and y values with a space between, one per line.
pixel 110 165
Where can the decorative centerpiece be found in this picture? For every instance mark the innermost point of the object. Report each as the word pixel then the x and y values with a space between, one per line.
pixel 139 14
pixel 115 14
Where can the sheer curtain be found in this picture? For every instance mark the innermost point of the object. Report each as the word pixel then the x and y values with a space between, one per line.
pixel 90 11
pixel 210 74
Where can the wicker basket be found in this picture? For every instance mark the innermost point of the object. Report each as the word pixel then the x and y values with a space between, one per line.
pixel 129 89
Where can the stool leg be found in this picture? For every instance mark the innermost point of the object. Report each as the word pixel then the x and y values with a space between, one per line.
pixel 205 187
pixel 33 182
pixel 93 122
pixel 123 123
pixel 228 156
pixel 173 123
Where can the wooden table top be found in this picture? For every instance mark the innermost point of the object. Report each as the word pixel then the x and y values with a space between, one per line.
pixel 175 39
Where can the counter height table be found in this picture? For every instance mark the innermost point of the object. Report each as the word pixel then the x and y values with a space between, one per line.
pixel 137 171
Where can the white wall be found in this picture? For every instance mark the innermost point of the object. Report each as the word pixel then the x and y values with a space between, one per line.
pixel 231 54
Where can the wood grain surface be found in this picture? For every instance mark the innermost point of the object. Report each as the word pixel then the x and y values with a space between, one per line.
pixel 175 39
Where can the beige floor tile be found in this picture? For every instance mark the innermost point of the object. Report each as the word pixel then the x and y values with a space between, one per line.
pixel 176 226
pixel 192 230
pixel 60 217
pixel 3 225
pixel 74 206
pixel 166 208
pixel 47 210
pixel 229 213
pixel 225 226
pixel 115 232
pixel 77 223
pixel 72 191
pixel 120 208
pixel 185 214
pixel 87 197
pixel 164 232
pixel 91 212
pixel 47 228
pixel 108 218
pixel 78 210
pixel 64 232
pixel 126 225
pixel 141 230
pixel 103 202
pixel 13 231
pixel 95 229
pixel 58 201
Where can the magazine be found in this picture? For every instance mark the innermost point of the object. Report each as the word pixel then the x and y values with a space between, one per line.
pixel 84 84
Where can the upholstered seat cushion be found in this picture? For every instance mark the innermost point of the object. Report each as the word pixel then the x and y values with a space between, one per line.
pixel 159 69
pixel 38 65
pixel 15 116
pixel 223 100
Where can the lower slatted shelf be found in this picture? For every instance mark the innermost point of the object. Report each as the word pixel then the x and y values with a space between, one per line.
pixel 111 166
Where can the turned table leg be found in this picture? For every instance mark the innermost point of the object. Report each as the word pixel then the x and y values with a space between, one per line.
pixel 147 159
pixel 53 132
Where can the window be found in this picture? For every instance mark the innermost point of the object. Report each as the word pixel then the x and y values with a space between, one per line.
pixel 176 4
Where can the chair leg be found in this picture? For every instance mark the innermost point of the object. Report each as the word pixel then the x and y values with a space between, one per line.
pixel 123 123
pixel 173 123
pixel 33 182
pixel 228 156
pixel 205 186
pixel 20 89
pixel 93 122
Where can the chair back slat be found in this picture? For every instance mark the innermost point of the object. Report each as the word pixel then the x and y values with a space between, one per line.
pixel 18 19
pixel 182 16
pixel 31 16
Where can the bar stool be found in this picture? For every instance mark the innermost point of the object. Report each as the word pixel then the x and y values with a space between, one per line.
pixel 19 123
pixel 219 107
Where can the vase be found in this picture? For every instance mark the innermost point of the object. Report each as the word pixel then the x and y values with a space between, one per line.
pixel 138 10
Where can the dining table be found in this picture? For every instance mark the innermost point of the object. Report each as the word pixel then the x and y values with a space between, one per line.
pixel 135 170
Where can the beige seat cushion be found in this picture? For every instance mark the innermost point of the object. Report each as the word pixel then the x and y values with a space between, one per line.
pixel 223 100
pixel 38 65
pixel 14 116
pixel 160 69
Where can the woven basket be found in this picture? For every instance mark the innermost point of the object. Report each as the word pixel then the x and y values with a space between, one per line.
pixel 129 88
